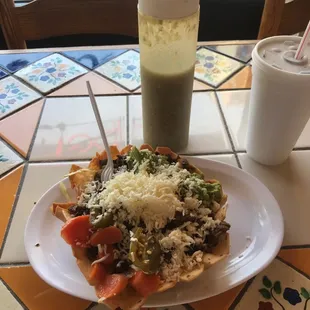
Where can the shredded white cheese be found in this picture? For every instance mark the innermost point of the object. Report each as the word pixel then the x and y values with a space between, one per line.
pixel 150 197
pixel 178 240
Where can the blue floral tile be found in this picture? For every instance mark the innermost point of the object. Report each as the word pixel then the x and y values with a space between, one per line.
pixel 14 62
pixel 124 69
pixel 51 72
pixel 240 52
pixel 13 95
pixel 214 68
pixel 277 287
pixel 8 158
pixel 92 59
pixel 2 74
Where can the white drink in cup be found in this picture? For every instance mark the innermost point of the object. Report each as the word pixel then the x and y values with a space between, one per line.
pixel 280 99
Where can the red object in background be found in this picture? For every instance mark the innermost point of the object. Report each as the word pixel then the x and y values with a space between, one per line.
pixel 59 147
pixel 82 142
pixel 80 146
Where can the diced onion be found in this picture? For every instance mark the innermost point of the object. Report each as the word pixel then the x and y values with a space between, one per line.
pixel 100 260
pixel 64 191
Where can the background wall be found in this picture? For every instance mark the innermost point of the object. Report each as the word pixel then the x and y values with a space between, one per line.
pixel 219 20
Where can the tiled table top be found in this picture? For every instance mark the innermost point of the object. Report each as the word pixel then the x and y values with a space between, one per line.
pixel 46 124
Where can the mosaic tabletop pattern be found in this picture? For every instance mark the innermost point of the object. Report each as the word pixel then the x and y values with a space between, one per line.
pixel 46 124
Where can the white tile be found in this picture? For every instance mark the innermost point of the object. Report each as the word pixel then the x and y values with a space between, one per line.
pixel 39 178
pixel 304 139
pixel 14 95
pixel 135 120
pixel 289 183
pixel 207 132
pixel 8 158
pixel 50 72
pixel 226 159
pixel 8 302
pixel 235 105
pixel 68 128
pixel 285 291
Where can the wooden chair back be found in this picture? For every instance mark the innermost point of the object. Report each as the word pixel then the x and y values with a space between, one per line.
pixel 42 19
pixel 281 18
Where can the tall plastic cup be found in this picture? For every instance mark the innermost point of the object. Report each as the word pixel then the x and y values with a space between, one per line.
pixel 280 99
pixel 168 31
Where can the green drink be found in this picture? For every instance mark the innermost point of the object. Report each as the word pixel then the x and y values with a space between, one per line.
pixel 168 54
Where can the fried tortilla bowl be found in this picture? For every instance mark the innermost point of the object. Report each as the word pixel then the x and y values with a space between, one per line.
pixel 129 299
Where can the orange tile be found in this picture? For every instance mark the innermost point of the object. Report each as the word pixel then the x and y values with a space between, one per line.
pixel 299 258
pixel 8 189
pixel 36 294
pixel 219 302
pixel 18 129
pixel 243 79
pixel 100 86
pixel 201 86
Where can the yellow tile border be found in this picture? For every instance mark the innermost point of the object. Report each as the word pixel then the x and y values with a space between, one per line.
pixel 219 302
pixel 298 257
pixel 36 294
pixel 8 188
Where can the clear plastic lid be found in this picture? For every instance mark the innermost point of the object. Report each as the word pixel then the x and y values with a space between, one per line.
pixel 168 9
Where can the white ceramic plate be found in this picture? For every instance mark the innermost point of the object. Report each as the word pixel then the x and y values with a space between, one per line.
pixel 256 236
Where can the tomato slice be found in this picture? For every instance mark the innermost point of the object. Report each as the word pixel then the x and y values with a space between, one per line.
pixel 109 251
pixel 146 147
pixel 108 235
pixel 163 150
pixel 97 274
pixel 76 231
pixel 112 285
pixel 126 149
pixel 145 284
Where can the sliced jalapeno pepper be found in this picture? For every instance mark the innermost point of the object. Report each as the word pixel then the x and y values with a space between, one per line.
pixel 103 222
pixel 152 254
pixel 145 254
